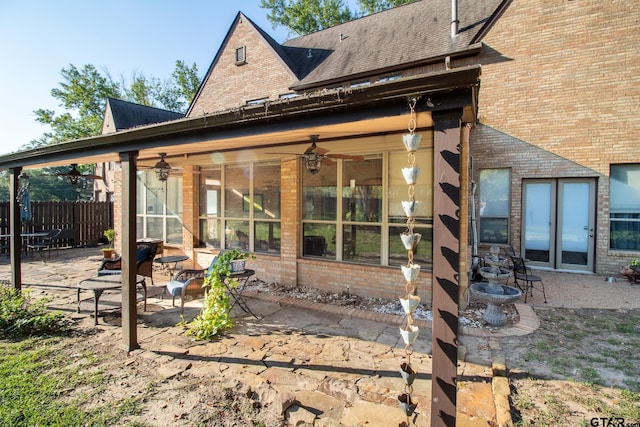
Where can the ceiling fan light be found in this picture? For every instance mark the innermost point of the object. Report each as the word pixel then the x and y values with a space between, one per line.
pixel 73 175
pixel 313 162
pixel 162 168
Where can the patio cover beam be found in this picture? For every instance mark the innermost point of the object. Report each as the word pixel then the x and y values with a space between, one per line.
pixel 128 234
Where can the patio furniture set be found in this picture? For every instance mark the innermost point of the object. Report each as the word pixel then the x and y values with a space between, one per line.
pixel 184 283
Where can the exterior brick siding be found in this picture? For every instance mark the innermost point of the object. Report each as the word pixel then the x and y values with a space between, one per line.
pixel 559 98
pixel 230 86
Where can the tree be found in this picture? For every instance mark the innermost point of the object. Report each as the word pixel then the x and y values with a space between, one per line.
pixel 307 16
pixel 83 93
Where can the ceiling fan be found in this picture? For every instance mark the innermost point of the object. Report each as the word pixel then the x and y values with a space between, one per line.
pixel 162 169
pixel 315 156
pixel 74 175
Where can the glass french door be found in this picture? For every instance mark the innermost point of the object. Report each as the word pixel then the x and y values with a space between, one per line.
pixel 559 222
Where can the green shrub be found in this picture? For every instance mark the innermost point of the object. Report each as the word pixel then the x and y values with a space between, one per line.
pixel 21 316
pixel 215 316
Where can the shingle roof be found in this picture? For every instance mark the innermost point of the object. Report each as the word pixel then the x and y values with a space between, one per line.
pixel 402 36
pixel 127 115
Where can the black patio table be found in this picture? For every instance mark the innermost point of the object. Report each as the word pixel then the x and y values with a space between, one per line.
pixel 236 292
pixel 105 282
pixel 166 262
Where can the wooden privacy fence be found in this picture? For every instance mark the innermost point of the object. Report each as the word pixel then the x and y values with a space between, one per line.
pixel 82 222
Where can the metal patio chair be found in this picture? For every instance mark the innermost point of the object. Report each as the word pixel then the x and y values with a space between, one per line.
pixel 524 279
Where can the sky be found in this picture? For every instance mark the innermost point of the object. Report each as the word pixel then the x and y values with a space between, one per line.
pixel 40 37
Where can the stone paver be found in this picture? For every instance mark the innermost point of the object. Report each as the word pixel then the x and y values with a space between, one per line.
pixel 325 365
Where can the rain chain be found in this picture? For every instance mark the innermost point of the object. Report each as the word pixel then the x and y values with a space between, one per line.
pixel 410 239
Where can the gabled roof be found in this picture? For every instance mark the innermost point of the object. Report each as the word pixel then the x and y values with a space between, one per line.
pixel 397 38
pixel 278 50
pixel 127 115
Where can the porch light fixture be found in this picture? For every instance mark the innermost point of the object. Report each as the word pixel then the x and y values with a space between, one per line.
pixel 313 162
pixel 73 175
pixel 162 168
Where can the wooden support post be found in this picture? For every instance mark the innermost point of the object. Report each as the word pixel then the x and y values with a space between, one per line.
pixel 128 238
pixel 446 265
pixel 15 241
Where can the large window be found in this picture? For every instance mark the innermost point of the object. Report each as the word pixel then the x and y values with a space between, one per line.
pixel 495 191
pixel 624 207
pixel 352 210
pixel 240 206
pixel 159 208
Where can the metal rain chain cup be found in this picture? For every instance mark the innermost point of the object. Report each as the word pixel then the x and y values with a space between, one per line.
pixel 409 332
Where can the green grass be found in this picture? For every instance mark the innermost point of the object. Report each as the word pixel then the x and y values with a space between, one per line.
pixel 37 387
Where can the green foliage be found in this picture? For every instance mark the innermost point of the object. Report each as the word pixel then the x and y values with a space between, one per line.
pixel 40 387
pixel 215 316
pixel 110 234
pixel 84 91
pixel 20 316
pixel 308 16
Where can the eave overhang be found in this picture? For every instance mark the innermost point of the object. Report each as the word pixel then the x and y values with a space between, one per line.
pixel 250 126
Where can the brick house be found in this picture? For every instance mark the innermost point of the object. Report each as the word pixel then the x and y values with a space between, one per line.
pixel 533 101
pixel 121 115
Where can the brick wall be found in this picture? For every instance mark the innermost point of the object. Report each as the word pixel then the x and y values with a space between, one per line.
pixel 231 86
pixel 561 99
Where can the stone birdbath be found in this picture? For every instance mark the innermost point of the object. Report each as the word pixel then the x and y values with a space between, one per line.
pixel 493 292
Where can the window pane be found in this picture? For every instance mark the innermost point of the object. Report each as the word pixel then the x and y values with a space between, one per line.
pixel 174 195
pixel 319 240
pixel 625 232
pixel 210 232
pixel 494 230
pixel 267 237
pixel 625 189
pixel 140 188
pixel 237 235
pixel 174 231
pixel 320 193
pixel 362 191
pixel 236 194
pixel 423 254
pixel 398 186
pixel 266 190
pixel 625 207
pixel 494 205
pixel 139 227
pixel 154 228
pixel 210 190
pixel 494 193
pixel 361 244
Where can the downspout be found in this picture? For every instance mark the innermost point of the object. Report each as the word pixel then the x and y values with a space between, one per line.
pixel 455 22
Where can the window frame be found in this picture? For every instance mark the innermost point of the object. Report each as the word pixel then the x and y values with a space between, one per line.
pixel 624 219
pixel 505 217
pixel 385 224
pixel 246 221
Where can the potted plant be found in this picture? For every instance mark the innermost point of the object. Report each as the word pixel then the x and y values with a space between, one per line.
pixel 215 316
pixel 110 234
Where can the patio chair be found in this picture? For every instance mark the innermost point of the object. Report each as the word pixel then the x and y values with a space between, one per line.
pixel 145 253
pixel 522 274
pixel 188 283
pixel 45 242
